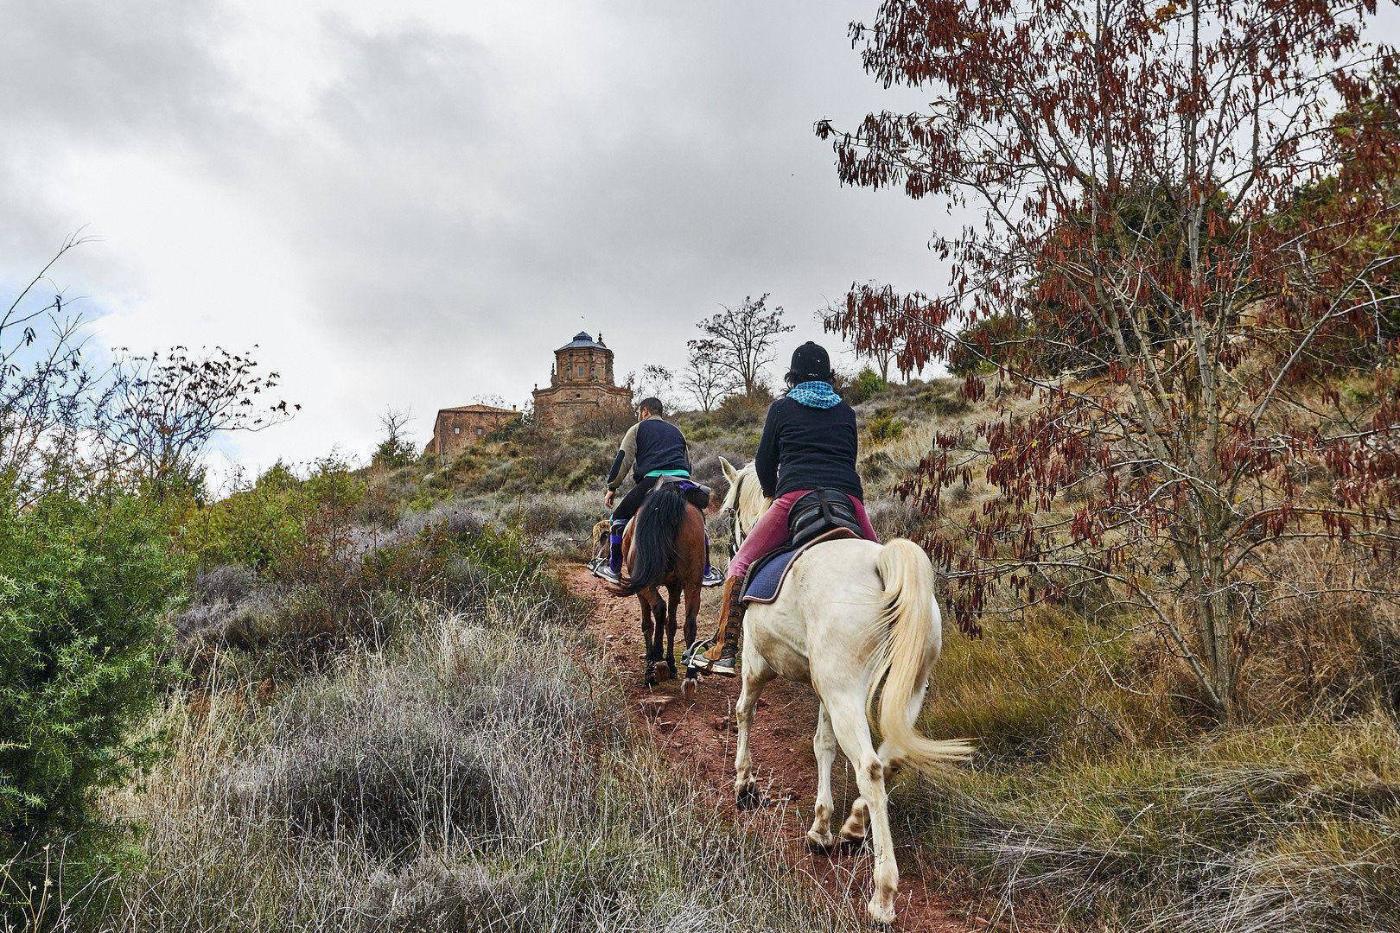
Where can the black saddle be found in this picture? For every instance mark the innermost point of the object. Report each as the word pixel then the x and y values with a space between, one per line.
pixel 818 512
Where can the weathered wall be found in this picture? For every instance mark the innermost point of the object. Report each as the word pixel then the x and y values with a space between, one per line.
pixel 454 431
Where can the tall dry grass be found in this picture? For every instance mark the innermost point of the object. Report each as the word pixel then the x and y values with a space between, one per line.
pixel 476 773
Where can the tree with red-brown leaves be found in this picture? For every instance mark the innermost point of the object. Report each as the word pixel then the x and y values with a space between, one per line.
pixel 1174 301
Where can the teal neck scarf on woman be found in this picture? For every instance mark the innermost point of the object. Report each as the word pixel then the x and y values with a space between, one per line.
pixel 814 394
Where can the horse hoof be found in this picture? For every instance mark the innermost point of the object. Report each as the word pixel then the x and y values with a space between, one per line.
pixel 688 688
pixel 881 915
pixel 821 842
pixel 748 798
pixel 853 843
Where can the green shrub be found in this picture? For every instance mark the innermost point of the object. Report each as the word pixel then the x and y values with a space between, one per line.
pixel 255 527
pixel 866 385
pixel 884 427
pixel 84 587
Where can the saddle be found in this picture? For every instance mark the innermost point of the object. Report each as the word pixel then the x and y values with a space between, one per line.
pixel 821 515
pixel 694 493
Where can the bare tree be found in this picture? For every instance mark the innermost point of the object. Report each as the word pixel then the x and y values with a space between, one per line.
pixel 165 408
pixel 739 340
pixel 49 396
pixel 706 381
pixel 394 449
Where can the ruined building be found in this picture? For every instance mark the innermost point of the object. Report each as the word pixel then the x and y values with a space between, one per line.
pixel 581 387
pixel 459 428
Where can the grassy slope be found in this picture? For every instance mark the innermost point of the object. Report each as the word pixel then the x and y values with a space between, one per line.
pixel 469 776
pixel 1097 782
pixel 335 799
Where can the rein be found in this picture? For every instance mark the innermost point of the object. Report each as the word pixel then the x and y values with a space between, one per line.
pixel 737 534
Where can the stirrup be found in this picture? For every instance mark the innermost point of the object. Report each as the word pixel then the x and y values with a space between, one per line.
pixel 694 656
pixel 725 667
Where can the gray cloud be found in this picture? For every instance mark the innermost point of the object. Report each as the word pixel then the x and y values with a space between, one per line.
pixel 416 208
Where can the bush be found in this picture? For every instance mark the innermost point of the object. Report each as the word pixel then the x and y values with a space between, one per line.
pixel 866 385
pixel 84 586
pixel 738 411
pixel 884 427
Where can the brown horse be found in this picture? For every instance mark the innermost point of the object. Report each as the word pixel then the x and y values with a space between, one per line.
pixel 664 546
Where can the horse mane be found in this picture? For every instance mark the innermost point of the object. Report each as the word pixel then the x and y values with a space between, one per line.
pixel 744 499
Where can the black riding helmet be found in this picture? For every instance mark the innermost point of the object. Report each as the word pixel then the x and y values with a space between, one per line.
pixel 810 363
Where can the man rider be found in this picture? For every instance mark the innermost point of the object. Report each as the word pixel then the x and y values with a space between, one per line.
pixel 808 443
pixel 651 448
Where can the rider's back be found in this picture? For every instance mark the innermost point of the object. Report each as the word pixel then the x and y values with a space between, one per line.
pixel 816 446
pixel 660 446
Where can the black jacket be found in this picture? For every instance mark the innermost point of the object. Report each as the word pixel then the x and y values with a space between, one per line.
pixel 808 448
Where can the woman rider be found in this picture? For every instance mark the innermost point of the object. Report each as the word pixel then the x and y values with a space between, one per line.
pixel 809 442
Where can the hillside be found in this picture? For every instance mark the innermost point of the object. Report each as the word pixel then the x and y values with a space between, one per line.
pixel 404 707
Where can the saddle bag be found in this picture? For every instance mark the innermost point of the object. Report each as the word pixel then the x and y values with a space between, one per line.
pixel 694 493
pixel 820 511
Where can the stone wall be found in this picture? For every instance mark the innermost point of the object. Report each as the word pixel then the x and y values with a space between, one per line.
pixel 571 405
pixel 457 429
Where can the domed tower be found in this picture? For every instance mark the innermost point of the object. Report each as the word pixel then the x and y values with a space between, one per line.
pixel 582 361
pixel 581 385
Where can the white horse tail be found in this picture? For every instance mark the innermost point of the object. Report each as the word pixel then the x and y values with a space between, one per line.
pixel 909 630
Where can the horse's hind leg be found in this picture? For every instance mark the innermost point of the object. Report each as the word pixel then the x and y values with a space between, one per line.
pixel 658 616
pixel 852 730
pixel 648 674
pixel 756 675
pixel 673 598
pixel 692 615
pixel 824 745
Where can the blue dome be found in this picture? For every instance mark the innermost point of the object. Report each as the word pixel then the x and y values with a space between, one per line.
pixel 583 341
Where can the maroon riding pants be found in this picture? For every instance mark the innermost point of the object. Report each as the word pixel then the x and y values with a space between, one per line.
pixel 771 532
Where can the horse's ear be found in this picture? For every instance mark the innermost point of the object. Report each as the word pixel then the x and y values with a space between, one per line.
pixel 730 473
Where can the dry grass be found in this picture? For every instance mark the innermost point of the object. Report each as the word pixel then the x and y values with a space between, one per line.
pixel 474 774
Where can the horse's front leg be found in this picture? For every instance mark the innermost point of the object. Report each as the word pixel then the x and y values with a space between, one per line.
pixel 756 675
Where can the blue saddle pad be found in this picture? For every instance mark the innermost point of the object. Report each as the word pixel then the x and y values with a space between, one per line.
pixel 763 581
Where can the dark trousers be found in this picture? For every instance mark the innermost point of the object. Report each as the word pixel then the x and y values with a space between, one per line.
pixel 633 500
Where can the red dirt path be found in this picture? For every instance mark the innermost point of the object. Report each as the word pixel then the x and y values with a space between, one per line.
pixel 781 745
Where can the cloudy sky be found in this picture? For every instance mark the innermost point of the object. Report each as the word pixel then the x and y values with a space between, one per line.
pixel 413 203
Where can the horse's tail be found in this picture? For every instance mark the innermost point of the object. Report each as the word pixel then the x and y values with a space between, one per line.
pixel 909 626
pixel 654 539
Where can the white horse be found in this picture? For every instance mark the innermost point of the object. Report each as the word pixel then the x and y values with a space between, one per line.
pixel 852 616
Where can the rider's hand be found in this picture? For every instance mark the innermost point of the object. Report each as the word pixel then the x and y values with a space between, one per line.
pixel 609 498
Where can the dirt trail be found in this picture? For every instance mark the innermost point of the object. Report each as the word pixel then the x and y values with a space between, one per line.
pixel 699 735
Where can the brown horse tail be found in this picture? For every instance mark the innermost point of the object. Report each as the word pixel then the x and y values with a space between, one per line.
pixel 908 624
pixel 654 538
